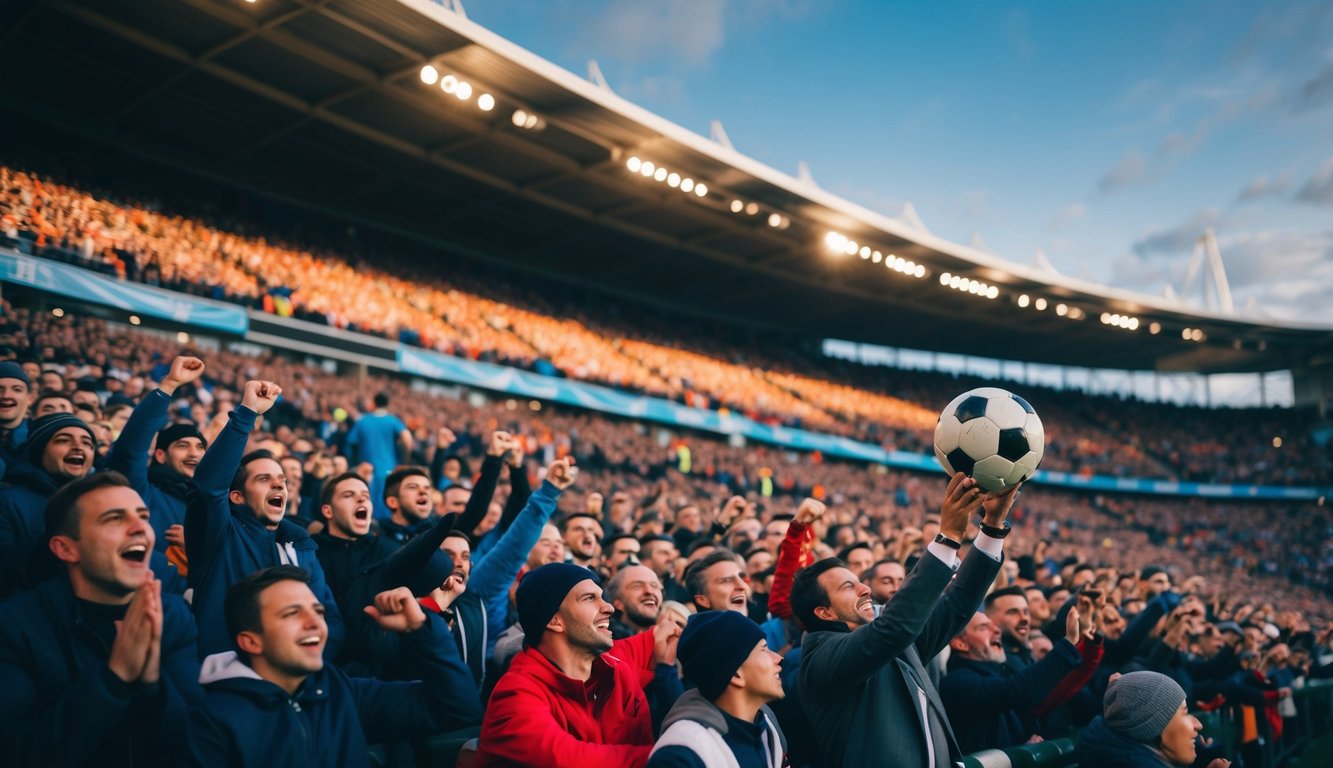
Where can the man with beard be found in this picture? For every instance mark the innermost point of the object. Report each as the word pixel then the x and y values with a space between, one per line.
pixel 273 700
pixel 15 397
pixel 97 665
pixel 408 499
pixel 1008 609
pixel 573 697
pixel 234 524
pixel 636 594
pixel 884 579
pixel 621 549
pixel 347 548
pixel 583 536
pixel 59 448
pixel 660 553
pixel 165 482
pixel 991 703
pixel 862 679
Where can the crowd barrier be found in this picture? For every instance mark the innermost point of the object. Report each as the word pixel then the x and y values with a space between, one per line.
pixel 203 314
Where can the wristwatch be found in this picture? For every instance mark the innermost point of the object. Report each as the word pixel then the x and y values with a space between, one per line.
pixel 940 538
pixel 996 533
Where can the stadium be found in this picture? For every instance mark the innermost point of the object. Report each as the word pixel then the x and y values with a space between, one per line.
pixel 392 212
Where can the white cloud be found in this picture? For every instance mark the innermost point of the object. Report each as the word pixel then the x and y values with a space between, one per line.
pixel 1318 189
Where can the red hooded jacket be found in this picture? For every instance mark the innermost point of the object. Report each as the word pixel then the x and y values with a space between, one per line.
pixel 538 716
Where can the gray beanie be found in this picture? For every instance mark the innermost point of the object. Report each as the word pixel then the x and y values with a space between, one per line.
pixel 1140 705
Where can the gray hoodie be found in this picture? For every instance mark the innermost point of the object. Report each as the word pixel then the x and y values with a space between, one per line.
pixel 696 724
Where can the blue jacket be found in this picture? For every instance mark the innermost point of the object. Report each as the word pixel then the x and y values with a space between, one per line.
pixel 1101 747
pixel 129 456
pixel 225 543
pixel 332 718
pixel 991 705
pixel 61 705
pixel 21 526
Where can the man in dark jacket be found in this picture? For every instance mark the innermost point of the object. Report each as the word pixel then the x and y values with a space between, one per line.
pixel 165 482
pixel 234 524
pixel 60 448
pixel 725 720
pixel 991 704
pixel 274 702
pixel 862 679
pixel 347 548
pixel 97 665
pixel 15 397
pixel 407 496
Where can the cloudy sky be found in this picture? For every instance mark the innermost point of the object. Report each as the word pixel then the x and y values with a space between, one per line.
pixel 1108 137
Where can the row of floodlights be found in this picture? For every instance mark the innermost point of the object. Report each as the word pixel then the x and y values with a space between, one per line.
pixel 968 285
pixel 1127 322
pixel 457 87
pixel 1040 304
pixel 650 170
pixel 840 243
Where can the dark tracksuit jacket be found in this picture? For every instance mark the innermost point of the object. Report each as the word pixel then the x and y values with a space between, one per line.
pixel 226 542
pixel 696 734
pixel 129 456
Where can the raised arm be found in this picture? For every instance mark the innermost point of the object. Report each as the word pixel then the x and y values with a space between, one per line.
pixel 794 553
pixel 129 454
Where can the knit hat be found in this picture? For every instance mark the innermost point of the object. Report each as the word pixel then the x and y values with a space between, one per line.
pixel 43 429
pixel 181 431
pixel 1150 571
pixel 713 646
pixel 541 592
pixel 12 370
pixel 1140 705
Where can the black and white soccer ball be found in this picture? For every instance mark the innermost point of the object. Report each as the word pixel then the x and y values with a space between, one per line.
pixel 992 435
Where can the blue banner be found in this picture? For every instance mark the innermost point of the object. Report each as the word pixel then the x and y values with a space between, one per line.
pixel 81 284
pixel 526 384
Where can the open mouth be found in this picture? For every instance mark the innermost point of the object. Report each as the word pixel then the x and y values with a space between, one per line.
pixel 311 641
pixel 276 502
pixel 135 553
pixel 648 602
pixel 361 514
pixel 738 600
pixel 76 460
pixel 190 463
pixel 603 624
pixel 863 603
pixel 6 403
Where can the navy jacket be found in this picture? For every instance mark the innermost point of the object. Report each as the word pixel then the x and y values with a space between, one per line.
pixel 332 718
pixel 343 560
pixel 1101 747
pixel 225 543
pixel 991 705
pixel 22 500
pixel 129 456
pixel 61 705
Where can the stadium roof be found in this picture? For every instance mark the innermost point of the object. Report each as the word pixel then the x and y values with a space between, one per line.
pixel 323 103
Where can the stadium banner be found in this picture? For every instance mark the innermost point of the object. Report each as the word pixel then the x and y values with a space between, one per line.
pixel 512 381
pixel 83 285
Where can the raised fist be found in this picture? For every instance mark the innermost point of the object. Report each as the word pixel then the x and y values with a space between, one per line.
pixel 562 472
pixel 809 511
pixel 259 396
pixel 184 370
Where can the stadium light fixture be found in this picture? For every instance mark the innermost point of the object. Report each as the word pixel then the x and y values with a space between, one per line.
pixel 751 209
pixel 660 174
pixel 134 320
pixel 1040 304
pixel 876 256
pixel 673 180
pixel 701 190
pixel 1154 328
pixel 1061 309
pixel 778 221
pixel 686 184
pixel 464 90
pixel 449 84
pixel 527 120
pixel 736 206
pixel 430 75
pixel 647 168
pixel 58 312
pixel 1023 300
pixel 633 164
pixel 485 102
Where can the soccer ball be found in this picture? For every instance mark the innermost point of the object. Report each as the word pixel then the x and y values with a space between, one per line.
pixel 992 435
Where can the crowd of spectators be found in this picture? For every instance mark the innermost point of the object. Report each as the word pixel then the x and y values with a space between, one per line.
pixel 198 574
pixel 704 367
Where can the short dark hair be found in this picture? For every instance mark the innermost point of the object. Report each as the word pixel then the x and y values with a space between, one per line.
pixel 61 515
pixel 870 572
pixel 1014 591
pixel 807 593
pixel 51 394
pixel 331 487
pixel 381 399
pixel 694 575
pixel 398 475
pixel 699 542
pixel 564 521
pixel 846 551
pixel 241 606
pixel 243 471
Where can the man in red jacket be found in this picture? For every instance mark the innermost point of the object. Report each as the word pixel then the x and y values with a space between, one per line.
pixel 572 697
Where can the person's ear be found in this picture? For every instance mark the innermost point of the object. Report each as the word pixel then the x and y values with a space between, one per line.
pixel 236 497
pixel 250 643
pixel 65 549
pixel 826 613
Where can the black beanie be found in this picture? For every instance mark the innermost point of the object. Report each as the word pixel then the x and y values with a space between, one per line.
pixel 541 592
pixel 174 432
pixel 43 429
pixel 714 645
pixel 12 370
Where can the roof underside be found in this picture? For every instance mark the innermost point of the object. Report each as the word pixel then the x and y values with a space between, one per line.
pixel 321 104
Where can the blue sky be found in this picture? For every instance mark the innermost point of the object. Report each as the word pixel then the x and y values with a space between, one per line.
pixel 1106 135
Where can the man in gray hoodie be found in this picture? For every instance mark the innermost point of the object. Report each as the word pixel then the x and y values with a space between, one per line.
pixel 724 721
